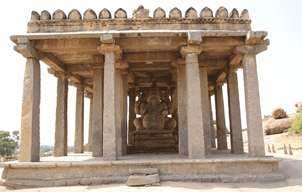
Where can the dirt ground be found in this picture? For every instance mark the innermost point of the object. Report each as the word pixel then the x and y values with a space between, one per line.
pixel 290 167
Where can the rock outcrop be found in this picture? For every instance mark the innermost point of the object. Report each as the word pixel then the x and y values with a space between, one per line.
pixel 274 126
pixel 299 106
pixel 279 113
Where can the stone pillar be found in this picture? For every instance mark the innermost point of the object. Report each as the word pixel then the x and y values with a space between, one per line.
pixel 90 135
pixel 118 109
pixel 30 119
pixel 109 49
pixel 79 122
pixel 252 105
pixel 61 118
pixel 97 123
pixel 213 145
pixel 196 145
pixel 182 110
pixel 132 115
pixel 220 118
pixel 252 98
pixel 124 110
pixel 205 108
pixel 234 112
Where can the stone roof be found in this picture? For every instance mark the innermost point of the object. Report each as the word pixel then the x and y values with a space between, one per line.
pixel 140 20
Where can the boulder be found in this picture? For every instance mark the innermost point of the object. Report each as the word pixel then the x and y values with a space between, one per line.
pixel 299 106
pixel 278 113
pixel 274 126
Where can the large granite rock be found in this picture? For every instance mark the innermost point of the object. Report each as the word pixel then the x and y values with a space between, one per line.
pixel 299 106
pixel 278 113
pixel 274 126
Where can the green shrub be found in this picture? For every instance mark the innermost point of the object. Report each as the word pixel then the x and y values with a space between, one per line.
pixel 296 126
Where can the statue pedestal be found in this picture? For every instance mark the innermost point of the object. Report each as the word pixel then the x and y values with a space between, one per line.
pixel 154 141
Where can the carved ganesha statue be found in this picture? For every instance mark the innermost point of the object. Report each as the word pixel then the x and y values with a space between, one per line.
pixel 153 112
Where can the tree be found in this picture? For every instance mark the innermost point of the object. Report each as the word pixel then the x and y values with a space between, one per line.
pixel 8 144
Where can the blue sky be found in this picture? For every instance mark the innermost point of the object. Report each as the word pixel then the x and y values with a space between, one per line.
pixel 279 68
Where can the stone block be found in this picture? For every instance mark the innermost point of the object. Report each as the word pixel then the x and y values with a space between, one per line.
pixel 146 171
pixel 141 180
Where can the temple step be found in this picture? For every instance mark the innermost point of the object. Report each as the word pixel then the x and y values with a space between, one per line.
pixel 144 177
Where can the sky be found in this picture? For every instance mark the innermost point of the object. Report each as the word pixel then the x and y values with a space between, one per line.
pixel 279 68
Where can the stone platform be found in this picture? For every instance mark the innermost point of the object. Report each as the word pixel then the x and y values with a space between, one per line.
pixel 82 169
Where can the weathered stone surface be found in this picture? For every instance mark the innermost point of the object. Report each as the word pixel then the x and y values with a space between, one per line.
pixel 58 15
pixel 61 118
pixel 244 14
pixel 278 113
pixel 159 13
pixel 220 119
pixel 252 103
pixel 109 124
pixel 97 127
pixel 118 111
pixel 234 114
pixel 140 13
pixel 79 122
pixel 74 15
pixel 196 145
pixel 30 119
pixel 213 130
pixel 105 14
pixel 175 13
pixel 124 112
pixel 273 126
pixel 234 14
pixel 182 110
pixel 89 14
pixel 90 133
pixel 145 171
pixel 34 16
pixel 191 13
pixel 120 13
pixel 206 13
pixel 45 15
pixel 141 180
pixel 221 13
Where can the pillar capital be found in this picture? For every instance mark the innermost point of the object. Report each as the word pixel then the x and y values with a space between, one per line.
pixel 88 95
pixel 231 69
pixel 26 48
pixel 219 83
pixel 109 48
pixel 250 49
pixel 190 49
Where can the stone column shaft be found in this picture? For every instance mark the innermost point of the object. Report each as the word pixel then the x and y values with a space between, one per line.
pixel 132 115
pixel 234 114
pixel 220 119
pixel 252 105
pixel 124 117
pixel 90 135
pixel 182 110
pixel 79 122
pixel 118 110
pixel 205 108
pixel 196 146
pixel 30 119
pixel 109 126
pixel 61 118
pixel 97 123
pixel 213 145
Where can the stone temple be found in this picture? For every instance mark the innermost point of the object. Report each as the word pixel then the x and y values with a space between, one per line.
pixel 150 81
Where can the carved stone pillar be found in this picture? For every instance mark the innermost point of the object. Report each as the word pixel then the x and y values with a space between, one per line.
pixel 30 118
pixel 97 123
pixel 109 49
pixel 79 122
pixel 196 146
pixel 90 135
pixel 205 108
pixel 61 117
pixel 234 112
pixel 252 99
pixel 220 118
pixel 182 108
